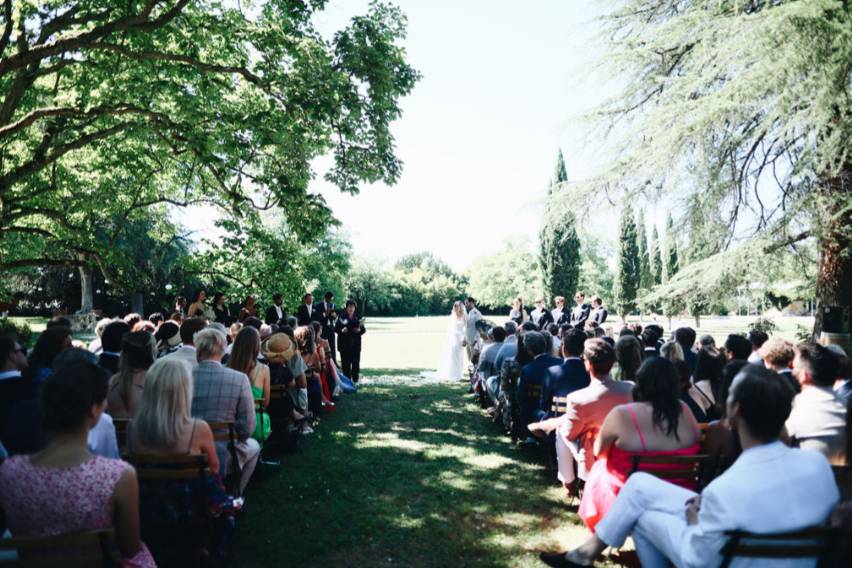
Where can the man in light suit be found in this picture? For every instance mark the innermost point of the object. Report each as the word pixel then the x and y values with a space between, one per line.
pixel 187 351
pixel 221 394
pixel 581 311
pixel 587 408
pixel 771 488
pixel 471 334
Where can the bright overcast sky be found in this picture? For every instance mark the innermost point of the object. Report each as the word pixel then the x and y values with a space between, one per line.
pixel 503 85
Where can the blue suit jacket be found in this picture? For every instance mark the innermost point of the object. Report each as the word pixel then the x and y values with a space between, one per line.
pixel 562 381
pixel 534 373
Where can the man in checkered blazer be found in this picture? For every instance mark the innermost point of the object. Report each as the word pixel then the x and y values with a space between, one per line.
pixel 221 394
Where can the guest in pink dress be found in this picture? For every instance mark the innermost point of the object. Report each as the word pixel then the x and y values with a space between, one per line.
pixel 65 488
pixel 656 424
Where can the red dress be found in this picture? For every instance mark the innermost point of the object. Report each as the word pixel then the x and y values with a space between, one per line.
pixel 610 472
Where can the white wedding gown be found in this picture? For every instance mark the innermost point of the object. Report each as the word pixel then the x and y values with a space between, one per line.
pixel 452 358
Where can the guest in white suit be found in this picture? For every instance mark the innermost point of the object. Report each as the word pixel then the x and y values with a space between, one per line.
pixel 771 488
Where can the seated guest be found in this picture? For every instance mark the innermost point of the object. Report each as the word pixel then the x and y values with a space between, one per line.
pixel 533 375
pixel 688 393
pixel 64 488
pixel 50 343
pixel 188 352
pixel 13 386
pixel 318 394
pixel 656 424
pixel 671 351
pixel 163 424
pixel 131 319
pixel 157 319
pixel 95 346
pixel 628 354
pixel 111 340
pixel 138 352
pixel 568 377
pixel 671 524
pixel 721 443
pixel 168 338
pixel 707 382
pixel 777 354
pixel 649 342
pixel 818 419
pixel 757 339
pixel 707 341
pixel 221 394
pixel 737 347
pixel 244 359
pixel 685 337
pixel 578 428
pixel 277 352
pixel 843 384
pixel 488 356
pixel 506 350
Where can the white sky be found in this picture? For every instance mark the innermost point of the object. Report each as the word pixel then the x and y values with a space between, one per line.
pixel 503 86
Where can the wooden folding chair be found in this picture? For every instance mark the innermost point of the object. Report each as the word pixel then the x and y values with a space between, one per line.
pixel 88 549
pixel 225 431
pixel 559 406
pixel 120 425
pixel 672 467
pixel 261 409
pixel 811 542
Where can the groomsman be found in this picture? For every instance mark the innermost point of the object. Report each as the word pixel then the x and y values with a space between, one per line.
pixel 581 311
pixel 599 313
pixel 541 316
pixel 328 313
pixel 306 314
pixel 471 333
pixel 275 313
pixel 559 315
pixel 349 330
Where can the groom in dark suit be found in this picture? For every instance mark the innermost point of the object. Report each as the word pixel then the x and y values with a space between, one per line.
pixel 307 312
pixel 328 315
pixel 276 314
pixel 350 328
pixel 581 311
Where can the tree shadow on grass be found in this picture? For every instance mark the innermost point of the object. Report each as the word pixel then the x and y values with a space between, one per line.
pixel 408 476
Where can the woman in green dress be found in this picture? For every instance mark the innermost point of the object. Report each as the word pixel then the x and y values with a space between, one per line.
pixel 244 359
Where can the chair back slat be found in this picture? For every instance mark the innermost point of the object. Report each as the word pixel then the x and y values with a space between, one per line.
pixel 120 425
pixel 178 467
pixel 559 406
pixel 672 467
pixel 94 548
pixel 223 431
pixel 534 391
pixel 278 392
pixel 807 543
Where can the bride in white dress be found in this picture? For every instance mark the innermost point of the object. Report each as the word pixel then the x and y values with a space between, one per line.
pixel 452 358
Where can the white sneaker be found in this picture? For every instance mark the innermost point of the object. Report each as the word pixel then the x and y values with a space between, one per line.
pixel 307 430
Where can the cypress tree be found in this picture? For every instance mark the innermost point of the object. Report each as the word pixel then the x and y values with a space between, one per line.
pixel 656 257
pixel 627 277
pixel 642 252
pixel 672 262
pixel 559 245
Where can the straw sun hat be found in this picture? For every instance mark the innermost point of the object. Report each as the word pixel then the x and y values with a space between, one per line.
pixel 278 348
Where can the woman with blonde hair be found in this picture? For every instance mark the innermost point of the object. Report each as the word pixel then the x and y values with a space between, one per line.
pixel 246 348
pixel 672 351
pixel 164 424
pixel 138 353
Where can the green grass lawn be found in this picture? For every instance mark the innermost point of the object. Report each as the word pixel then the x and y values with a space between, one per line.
pixel 406 475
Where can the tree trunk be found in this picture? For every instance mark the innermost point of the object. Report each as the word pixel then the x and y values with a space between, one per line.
pixel 136 303
pixel 697 317
pixel 834 277
pixel 87 296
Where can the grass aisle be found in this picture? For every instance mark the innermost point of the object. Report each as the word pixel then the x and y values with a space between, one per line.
pixel 405 475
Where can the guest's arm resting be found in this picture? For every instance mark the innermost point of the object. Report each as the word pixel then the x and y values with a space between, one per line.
pixel 703 540
pixel 608 433
pixel 126 513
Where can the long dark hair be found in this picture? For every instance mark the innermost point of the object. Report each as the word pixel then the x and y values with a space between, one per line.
pixel 658 383
pixel 47 347
pixel 708 367
pixel 245 350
